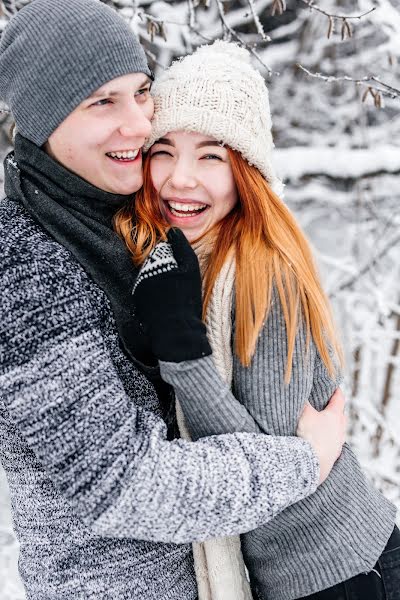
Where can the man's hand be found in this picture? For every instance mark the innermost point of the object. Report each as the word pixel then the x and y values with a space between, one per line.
pixel 325 430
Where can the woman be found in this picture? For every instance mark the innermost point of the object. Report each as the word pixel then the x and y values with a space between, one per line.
pixel 208 172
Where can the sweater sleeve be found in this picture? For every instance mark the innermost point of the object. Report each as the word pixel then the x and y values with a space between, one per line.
pixel 107 454
pixel 261 400
pixel 275 405
pixel 207 401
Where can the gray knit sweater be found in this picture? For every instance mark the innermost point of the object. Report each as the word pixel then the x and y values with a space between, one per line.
pixel 338 532
pixel 103 505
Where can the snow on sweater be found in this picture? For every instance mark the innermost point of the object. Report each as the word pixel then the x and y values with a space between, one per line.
pixel 103 505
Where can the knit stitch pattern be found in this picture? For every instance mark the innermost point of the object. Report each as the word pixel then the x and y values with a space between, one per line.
pixel 334 534
pixel 160 260
pixel 95 485
pixel 98 47
pixel 217 92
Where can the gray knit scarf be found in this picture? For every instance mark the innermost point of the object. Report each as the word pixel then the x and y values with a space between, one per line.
pixel 79 216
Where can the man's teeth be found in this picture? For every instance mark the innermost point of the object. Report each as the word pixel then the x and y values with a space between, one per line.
pixel 130 154
pixel 177 208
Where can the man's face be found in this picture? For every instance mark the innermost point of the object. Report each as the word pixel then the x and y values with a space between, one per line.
pixel 101 139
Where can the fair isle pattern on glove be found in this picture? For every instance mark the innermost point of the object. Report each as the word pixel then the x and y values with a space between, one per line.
pixel 160 260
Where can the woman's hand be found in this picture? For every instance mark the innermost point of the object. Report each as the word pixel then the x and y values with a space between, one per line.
pixel 168 301
pixel 325 430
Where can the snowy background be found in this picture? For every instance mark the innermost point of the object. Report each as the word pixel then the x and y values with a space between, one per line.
pixel 337 133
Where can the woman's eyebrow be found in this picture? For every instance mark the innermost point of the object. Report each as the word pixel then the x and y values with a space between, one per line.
pixel 208 143
pixel 168 142
pixel 165 141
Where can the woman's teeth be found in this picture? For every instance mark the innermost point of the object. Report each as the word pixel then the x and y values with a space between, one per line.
pixel 125 155
pixel 185 210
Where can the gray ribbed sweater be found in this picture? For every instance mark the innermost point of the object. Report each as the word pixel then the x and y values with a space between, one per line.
pixel 103 505
pixel 339 531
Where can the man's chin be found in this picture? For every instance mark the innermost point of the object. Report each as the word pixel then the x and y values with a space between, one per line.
pixel 126 189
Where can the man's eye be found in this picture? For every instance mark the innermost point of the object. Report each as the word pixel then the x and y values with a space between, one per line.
pixel 102 102
pixel 143 93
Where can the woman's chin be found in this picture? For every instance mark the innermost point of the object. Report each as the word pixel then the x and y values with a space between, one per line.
pixel 191 233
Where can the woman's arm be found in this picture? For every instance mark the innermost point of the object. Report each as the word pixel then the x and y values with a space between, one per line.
pixel 207 401
pixel 177 334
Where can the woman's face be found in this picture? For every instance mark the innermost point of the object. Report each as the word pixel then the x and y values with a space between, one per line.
pixel 194 179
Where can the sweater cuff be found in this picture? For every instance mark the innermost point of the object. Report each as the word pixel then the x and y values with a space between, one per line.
pixel 306 464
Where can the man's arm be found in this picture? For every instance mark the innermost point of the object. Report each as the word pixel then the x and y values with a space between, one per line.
pixel 110 458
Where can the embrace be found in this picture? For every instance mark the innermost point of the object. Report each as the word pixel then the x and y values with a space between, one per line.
pixel 170 420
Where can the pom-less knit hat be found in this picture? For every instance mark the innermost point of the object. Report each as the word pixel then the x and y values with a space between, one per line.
pixel 55 53
pixel 216 91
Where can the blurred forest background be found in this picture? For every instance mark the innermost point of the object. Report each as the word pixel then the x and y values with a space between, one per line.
pixel 332 72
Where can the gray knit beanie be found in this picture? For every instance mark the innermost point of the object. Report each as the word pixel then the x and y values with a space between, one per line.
pixel 55 53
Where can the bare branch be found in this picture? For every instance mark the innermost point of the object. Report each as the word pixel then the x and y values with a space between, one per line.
pixel 153 57
pixel 231 33
pixel 387 390
pixel 257 22
pixel 191 14
pixel 367 266
pixel 377 85
pixel 315 7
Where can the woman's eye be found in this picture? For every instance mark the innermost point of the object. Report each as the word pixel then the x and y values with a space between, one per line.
pixel 212 157
pixel 160 153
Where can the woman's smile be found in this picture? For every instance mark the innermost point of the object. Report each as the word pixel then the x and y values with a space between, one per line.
pixel 177 209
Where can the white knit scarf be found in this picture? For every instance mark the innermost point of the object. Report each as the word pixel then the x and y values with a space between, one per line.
pixel 219 565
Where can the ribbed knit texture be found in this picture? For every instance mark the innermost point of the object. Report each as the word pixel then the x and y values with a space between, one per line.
pixel 77 46
pixel 94 482
pixel 217 92
pixel 334 534
pixel 219 565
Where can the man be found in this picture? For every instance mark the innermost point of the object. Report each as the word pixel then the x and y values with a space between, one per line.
pixel 104 504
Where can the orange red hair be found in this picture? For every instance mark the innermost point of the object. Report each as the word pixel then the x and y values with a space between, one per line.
pixel 270 249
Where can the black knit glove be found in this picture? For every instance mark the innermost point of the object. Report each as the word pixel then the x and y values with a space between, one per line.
pixel 168 302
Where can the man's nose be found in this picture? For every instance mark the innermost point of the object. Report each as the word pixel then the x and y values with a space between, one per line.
pixel 135 123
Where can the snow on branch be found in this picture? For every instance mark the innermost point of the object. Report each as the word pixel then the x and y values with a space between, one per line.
pixel 375 87
pixel 232 33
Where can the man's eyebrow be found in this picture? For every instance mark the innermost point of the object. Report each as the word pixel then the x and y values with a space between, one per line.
pixel 105 92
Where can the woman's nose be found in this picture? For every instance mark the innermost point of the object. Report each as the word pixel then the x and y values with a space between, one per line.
pixel 183 176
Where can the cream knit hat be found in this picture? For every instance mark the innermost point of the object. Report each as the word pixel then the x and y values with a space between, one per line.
pixel 216 91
